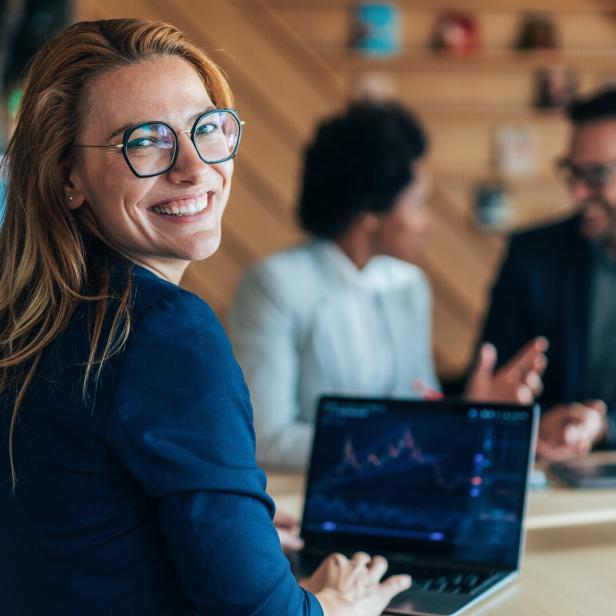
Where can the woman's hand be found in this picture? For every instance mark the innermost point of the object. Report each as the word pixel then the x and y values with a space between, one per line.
pixel 287 526
pixel 519 380
pixel 352 587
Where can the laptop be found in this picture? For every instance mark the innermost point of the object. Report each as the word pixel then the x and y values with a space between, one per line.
pixel 438 488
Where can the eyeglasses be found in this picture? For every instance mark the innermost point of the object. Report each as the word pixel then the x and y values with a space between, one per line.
pixel 151 148
pixel 596 177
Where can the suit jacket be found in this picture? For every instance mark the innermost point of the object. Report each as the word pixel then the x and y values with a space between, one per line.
pixel 306 322
pixel 544 289
pixel 143 498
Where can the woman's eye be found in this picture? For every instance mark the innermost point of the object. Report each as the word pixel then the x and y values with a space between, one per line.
pixel 142 142
pixel 207 129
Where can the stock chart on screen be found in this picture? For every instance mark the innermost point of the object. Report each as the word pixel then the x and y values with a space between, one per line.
pixel 439 475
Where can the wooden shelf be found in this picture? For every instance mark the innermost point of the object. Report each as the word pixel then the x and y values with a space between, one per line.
pixel 503 114
pixel 427 61
pixel 555 6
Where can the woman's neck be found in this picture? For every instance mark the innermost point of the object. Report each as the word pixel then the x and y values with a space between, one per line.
pixel 357 246
pixel 171 270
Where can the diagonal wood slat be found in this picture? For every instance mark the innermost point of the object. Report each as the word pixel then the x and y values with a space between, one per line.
pixel 289 66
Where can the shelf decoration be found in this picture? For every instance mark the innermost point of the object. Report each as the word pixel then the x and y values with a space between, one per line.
pixel 456 33
pixel 537 31
pixel 514 151
pixel 493 205
pixel 375 29
pixel 556 86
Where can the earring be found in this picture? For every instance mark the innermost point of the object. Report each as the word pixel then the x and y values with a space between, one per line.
pixel 70 197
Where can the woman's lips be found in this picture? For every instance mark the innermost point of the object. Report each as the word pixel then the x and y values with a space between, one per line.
pixel 183 207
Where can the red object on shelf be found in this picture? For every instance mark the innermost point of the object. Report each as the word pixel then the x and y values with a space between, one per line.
pixel 456 33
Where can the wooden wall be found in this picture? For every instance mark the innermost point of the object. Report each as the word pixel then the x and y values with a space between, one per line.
pixel 289 66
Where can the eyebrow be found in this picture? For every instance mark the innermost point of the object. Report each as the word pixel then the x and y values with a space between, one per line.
pixel 125 127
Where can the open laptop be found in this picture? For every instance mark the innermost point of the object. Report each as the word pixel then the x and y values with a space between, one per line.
pixel 438 488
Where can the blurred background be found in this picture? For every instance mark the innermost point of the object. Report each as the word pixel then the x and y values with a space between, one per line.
pixel 488 78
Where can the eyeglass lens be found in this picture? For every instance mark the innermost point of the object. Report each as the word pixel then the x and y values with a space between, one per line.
pixel 151 148
pixel 594 176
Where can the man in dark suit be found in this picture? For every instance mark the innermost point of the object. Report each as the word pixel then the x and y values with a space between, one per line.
pixel 559 282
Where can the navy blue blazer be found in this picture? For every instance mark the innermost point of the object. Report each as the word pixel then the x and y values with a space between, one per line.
pixel 543 289
pixel 145 498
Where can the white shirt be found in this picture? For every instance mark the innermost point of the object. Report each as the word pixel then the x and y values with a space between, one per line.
pixel 307 322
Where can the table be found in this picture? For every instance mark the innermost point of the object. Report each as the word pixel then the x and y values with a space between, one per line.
pixel 569 565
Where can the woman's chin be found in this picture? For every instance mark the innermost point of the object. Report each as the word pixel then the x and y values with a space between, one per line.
pixel 203 249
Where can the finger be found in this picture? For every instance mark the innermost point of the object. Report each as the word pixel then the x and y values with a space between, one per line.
pixel 289 541
pixel 584 413
pixel 424 391
pixel 541 363
pixel 584 446
pixel 572 435
pixel 524 360
pixel 524 395
pixel 360 559
pixel 596 405
pixel 377 568
pixel 485 361
pixel 551 453
pixel 340 560
pixel 285 520
pixel 359 568
pixel 534 383
pixel 392 586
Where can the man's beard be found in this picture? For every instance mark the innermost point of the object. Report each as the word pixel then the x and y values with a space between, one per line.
pixel 599 221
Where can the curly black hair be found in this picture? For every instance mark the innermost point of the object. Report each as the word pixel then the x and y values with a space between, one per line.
pixel 359 161
pixel 600 106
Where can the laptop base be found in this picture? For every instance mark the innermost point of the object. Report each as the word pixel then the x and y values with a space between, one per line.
pixel 436 590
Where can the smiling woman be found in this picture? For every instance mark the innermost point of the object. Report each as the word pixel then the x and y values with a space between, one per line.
pixel 173 214
pixel 129 484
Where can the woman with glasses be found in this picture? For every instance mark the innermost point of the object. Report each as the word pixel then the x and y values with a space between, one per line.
pixel 129 484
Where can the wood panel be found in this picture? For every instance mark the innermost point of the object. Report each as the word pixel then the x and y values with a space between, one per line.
pixel 555 7
pixel 326 27
pixel 289 66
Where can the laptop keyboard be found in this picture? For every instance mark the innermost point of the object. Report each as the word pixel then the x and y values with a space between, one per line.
pixel 441 580
pixel 425 577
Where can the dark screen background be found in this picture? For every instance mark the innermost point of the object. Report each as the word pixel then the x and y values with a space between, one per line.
pixel 448 479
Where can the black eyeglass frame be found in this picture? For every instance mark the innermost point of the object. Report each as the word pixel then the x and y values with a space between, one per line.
pixel 564 165
pixel 131 129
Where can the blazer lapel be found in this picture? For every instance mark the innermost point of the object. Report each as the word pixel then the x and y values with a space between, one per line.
pixel 577 313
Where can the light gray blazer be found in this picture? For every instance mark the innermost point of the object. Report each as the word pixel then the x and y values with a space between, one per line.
pixel 306 322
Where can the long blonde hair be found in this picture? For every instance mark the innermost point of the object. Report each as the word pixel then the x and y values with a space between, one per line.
pixel 43 271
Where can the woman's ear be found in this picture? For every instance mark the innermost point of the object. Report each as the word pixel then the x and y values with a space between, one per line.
pixel 369 221
pixel 74 196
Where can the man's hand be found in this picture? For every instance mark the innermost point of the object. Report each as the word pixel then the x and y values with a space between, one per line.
pixel 570 430
pixel 517 381
pixel 287 526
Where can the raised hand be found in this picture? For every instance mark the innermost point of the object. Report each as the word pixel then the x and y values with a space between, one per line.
pixel 519 380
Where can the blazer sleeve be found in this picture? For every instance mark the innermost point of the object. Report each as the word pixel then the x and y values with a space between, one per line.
pixel 265 337
pixel 610 437
pixel 181 422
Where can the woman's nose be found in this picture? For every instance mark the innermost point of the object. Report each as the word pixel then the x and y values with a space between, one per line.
pixel 188 167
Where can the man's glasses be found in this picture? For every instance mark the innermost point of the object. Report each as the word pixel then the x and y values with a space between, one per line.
pixel 596 177
pixel 151 148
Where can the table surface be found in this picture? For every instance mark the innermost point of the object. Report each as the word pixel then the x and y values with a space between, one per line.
pixel 569 565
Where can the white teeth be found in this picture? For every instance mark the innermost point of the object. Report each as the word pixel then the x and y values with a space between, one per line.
pixel 189 209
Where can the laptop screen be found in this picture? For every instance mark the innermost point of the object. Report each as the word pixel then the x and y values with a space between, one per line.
pixel 432 479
